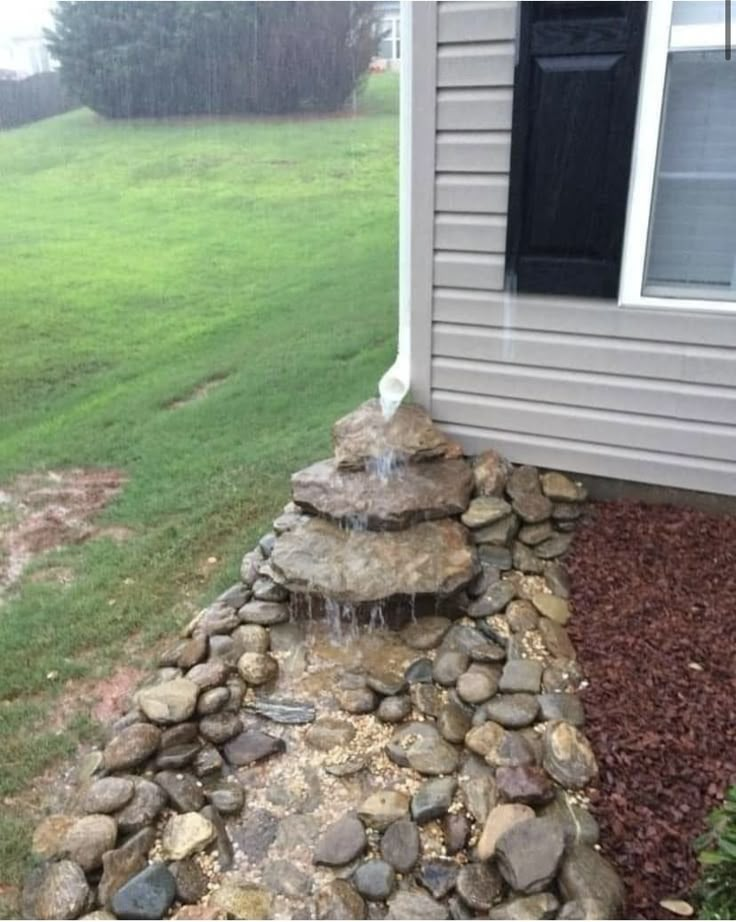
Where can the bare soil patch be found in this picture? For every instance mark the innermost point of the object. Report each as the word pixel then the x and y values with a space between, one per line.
pixel 654 590
pixel 45 511
pixel 199 392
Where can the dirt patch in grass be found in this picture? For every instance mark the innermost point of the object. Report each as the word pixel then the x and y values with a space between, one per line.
pixel 654 591
pixel 199 392
pixel 45 511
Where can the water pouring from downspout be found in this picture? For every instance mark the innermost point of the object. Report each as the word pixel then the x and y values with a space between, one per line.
pixel 395 383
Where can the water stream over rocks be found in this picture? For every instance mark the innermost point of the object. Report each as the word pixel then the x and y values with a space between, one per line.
pixel 378 720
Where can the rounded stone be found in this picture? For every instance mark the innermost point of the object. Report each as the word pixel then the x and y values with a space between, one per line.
pixel 449 666
pixel 552 607
pixel 58 891
pixel 357 700
pixel 400 845
pixel 386 683
pixel 420 671
pixel 432 756
pixel 479 885
pixel 568 757
pixel 415 904
pixel 532 507
pixel 209 674
pixel 500 819
pixel 131 746
pixel 438 875
pixel 375 880
pixel 475 687
pixel 521 675
pixel 512 711
pixel 329 733
pixel 170 702
pixel 432 800
pixel 527 784
pixel 394 709
pixel 425 633
pixel 257 668
pixel 228 797
pixel 456 830
pixel 528 854
pixel 89 838
pixel 186 834
pixel 484 510
pixel 147 802
pixel 337 900
pixel 148 895
pixel 182 789
pixel 213 700
pixel 218 728
pixel 341 842
pixel 382 808
pixel 107 795
pixel 252 638
pixel 562 706
pixel 453 722
pixel 191 881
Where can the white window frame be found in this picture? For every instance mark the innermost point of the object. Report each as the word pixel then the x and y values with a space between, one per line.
pixel 660 38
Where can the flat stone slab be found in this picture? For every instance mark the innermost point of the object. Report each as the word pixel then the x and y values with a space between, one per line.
pixel 412 493
pixel 364 436
pixel 365 566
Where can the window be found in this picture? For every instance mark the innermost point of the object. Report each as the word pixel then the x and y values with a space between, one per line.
pixel 390 45
pixel 680 247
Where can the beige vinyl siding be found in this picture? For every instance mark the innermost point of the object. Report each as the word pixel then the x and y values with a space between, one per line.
pixel 584 385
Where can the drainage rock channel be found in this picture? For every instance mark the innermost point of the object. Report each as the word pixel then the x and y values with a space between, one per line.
pixel 380 719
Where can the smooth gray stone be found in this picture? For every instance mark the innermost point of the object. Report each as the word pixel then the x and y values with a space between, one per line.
pixel 341 842
pixel 375 880
pixel 148 895
pixel 432 800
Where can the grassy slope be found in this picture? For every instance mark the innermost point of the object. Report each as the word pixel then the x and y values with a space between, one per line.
pixel 139 260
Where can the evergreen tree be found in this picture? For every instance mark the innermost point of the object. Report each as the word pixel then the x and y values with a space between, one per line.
pixel 128 59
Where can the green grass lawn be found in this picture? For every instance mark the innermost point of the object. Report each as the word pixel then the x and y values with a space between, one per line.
pixel 141 259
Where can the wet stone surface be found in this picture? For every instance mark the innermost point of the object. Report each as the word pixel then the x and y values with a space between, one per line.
pixel 303 760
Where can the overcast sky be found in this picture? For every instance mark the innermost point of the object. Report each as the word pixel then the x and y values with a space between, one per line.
pixel 24 17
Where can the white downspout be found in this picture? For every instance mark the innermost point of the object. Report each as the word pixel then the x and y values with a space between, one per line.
pixel 395 383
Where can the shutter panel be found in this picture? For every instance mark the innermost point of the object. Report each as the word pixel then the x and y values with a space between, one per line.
pixel 575 94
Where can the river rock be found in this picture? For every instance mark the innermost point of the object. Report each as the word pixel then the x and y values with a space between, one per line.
pixel 479 795
pixel 207 761
pixel 348 566
pixel 479 885
pixel 131 746
pixel 49 835
pixel 532 507
pixel 438 875
pixel 394 709
pixel 432 800
pixel 476 687
pixel 341 842
pixel 527 784
pixel 177 756
pixel 170 702
pixel 257 668
pixel 361 700
pixel 456 830
pixel 328 733
pixel 147 802
pixel 339 900
pixel 568 757
pixel 556 639
pixel 215 619
pixel 499 534
pixel 521 675
pixel 512 711
pixel 552 606
pixel 415 904
pixel 586 875
pixel 252 638
pixel 453 722
pixel 400 845
pixel 148 895
pixel 226 796
pixel 499 747
pixel 283 877
pixel 107 795
pixel 493 556
pixel 386 683
pixel 561 489
pixel 484 510
pixel 55 891
pixel 185 834
pixel 427 699
pixel 89 838
pixel 265 590
pixel 535 534
pixel 191 881
pixel 557 579
pixel 525 560
pixel 252 746
pixel 449 666
pixel 419 672
pixel 375 879
pixel 208 675
pixel 415 493
pixel 425 633
pixel 578 825
pixel 122 863
pixel 366 436
pixel 213 700
pixel 401 741
pixel 494 599
pixel 500 819
pixel 562 706
pixel 242 901
pixel 183 790
pixel 432 756
pixel 554 547
pixel 536 906
pixel 382 808
pixel 263 613
pixel 490 473
pixel 529 854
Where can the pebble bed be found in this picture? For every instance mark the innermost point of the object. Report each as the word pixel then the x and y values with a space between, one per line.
pixel 270 769
pixel 657 585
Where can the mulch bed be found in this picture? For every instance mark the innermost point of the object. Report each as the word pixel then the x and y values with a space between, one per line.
pixel 654 592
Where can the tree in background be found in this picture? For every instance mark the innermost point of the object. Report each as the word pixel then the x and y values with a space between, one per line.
pixel 129 59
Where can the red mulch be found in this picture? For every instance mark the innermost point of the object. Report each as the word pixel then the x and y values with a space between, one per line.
pixel 654 592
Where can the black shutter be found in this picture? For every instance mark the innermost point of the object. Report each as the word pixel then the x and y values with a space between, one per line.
pixel 575 94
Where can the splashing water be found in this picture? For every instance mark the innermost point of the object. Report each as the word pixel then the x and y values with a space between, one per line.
pixel 385 466
pixel 377 618
pixel 342 621
pixel 389 405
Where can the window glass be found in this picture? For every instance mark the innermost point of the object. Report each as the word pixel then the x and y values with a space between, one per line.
pixel 692 237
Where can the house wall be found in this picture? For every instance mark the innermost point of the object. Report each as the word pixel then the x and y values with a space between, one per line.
pixel 584 385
